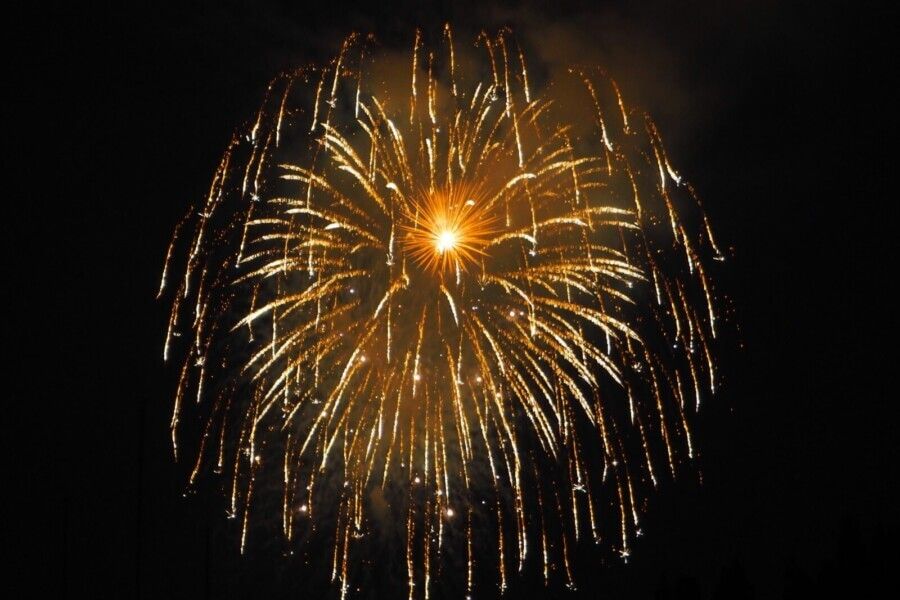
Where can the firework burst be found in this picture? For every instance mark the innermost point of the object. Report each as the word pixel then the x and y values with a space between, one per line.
pixel 478 304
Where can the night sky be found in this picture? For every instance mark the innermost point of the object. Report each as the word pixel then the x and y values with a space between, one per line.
pixel 778 115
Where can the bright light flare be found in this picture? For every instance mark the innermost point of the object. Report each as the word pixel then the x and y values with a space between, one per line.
pixel 446 241
pixel 445 231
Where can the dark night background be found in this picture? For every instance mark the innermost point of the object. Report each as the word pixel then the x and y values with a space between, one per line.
pixel 779 114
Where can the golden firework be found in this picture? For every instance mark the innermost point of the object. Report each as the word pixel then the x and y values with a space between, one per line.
pixel 474 304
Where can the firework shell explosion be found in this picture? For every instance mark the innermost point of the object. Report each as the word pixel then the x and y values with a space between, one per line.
pixel 445 302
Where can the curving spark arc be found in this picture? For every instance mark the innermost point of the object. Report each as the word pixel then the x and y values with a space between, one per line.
pixel 477 299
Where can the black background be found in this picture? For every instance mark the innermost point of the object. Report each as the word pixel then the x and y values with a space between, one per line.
pixel 784 122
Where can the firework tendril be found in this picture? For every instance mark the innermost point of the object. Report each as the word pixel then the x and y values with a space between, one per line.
pixel 479 304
